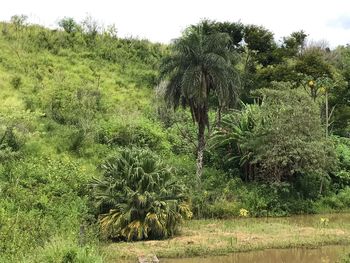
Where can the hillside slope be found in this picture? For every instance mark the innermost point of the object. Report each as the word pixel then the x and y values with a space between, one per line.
pixel 66 103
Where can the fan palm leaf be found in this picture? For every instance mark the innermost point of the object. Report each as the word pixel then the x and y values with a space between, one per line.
pixel 138 198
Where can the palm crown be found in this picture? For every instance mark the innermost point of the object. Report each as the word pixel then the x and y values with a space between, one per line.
pixel 199 64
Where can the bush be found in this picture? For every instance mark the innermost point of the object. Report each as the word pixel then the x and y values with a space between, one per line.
pixel 66 251
pixel 337 202
pixel 346 258
pixel 341 177
pixel 225 195
pixel 308 186
pixel 263 199
pixel 78 106
pixel 139 198
pixel 40 197
pixel 16 82
pixel 139 133
pixel 223 209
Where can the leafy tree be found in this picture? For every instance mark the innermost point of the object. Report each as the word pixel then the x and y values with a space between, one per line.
pixel 258 38
pixel 295 43
pixel 199 65
pixel 19 21
pixel 69 25
pixel 139 198
pixel 292 139
pixel 259 54
pixel 91 29
pixel 312 63
pixel 341 96
pixel 260 43
pixel 341 176
pixel 282 139
pixel 234 30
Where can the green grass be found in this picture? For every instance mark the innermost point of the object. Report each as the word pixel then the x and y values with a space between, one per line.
pixel 218 237
pixel 43 203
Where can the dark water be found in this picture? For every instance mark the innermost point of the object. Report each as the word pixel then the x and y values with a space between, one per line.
pixel 325 254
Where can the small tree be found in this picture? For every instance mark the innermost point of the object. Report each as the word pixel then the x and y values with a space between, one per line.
pixel 19 21
pixel 69 25
pixel 139 198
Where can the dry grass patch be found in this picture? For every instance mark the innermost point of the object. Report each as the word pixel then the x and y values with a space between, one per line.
pixel 216 237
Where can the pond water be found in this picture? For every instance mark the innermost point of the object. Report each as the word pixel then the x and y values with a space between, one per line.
pixel 327 254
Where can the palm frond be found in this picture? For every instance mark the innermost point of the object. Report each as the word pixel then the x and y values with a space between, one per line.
pixel 141 197
pixel 199 64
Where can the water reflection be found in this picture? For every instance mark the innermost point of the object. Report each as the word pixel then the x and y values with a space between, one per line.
pixel 327 254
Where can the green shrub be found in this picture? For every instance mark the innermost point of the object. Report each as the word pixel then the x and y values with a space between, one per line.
pixel 224 196
pixel 16 82
pixel 139 133
pixel 63 250
pixel 346 258
pixel 336 201
pixel 223 209
pixel 341 177
pixel 139 198
pixel 75 106
pixel 344 196
pixel 41 197
pixel 308 186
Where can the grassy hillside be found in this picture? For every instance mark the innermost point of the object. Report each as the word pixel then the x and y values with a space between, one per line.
pixel 64 109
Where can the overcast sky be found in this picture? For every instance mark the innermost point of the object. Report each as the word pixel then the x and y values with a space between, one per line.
pixel 163 20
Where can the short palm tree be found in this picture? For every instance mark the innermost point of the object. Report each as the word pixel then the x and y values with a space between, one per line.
pixel 200 65
pixel 139 198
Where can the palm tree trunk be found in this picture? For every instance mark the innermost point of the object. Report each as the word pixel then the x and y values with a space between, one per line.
pixel 219 116
pixel 200 148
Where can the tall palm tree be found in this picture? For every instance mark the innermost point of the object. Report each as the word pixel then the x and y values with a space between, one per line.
pixel 199 65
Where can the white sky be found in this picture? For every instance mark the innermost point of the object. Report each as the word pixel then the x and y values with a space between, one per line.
pixel 163 20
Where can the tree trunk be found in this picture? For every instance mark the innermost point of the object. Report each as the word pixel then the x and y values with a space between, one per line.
pixel 327 117
pixel 200 149
pixel 327 124
pixel 218 116
pixel 202 119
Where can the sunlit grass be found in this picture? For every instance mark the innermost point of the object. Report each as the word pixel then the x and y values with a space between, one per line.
pixel 215 237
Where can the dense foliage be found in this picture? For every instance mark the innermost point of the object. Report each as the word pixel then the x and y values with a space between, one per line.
pixel 79 97
pixel 66 104
pixel 278 139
